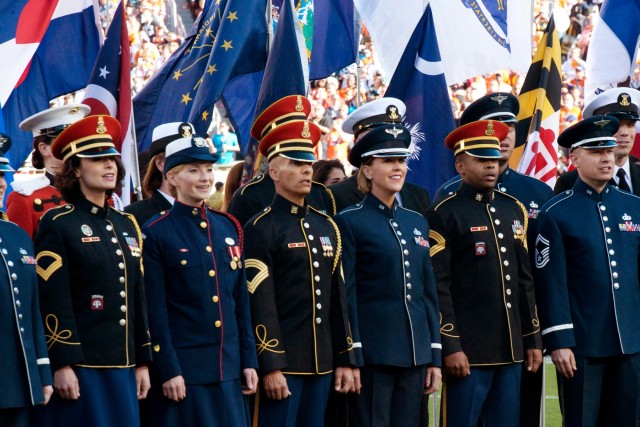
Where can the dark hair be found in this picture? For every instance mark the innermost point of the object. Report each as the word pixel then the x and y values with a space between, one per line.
pixel 232 184
pixel 322 169
pixel 69 184
pixel 153 176
pixel 36 157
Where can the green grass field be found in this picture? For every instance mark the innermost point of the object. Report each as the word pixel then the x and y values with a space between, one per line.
pixel 552 408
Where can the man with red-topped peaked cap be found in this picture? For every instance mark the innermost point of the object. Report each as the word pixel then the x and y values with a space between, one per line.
pixel 479 253
pixel 258 193
pixel 296 289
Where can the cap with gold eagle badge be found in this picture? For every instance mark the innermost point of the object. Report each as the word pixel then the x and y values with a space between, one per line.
pixel 479 139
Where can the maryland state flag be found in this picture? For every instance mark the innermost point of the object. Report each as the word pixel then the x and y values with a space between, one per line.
pixel 538 120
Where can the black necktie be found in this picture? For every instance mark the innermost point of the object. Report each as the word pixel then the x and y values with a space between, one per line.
pixel 622 181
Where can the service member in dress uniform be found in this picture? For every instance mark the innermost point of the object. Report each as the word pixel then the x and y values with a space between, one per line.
pixel 155 187
pixel 621 103
pixel 393 302
pixel 532 193
pixel 91 286
pixel 199 312
pixel 369 116
pixel 296 289
pixel 503 107
pixel 31 199
pixel 258 193
pixel 587 255
pixel 25 371
pixel 479 253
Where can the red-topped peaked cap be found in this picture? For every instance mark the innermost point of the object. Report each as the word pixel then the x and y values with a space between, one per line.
pixel 92 136
pixel 478 139
pixel 294 140
pixel 292 107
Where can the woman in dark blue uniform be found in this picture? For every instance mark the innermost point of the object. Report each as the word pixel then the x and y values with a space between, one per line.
pixel 25 373
pixel 91 287
pixel 393 304
pixel 203 345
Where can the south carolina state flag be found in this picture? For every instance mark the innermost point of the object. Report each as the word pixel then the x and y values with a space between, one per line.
pixel 48 48
pixel 420 83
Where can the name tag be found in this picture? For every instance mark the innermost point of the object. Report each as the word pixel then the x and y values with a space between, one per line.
pixel 483 228
pixel 90 239
pixel 297 245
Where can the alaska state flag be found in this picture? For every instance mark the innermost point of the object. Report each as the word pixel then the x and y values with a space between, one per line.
pixel 48 48
pixel 419 82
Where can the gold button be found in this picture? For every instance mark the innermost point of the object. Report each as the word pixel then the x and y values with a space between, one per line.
pixel 183 262
pixel 208 248
pixel 218 323
pixel 212 273
pixel 203 224
pixel 215 298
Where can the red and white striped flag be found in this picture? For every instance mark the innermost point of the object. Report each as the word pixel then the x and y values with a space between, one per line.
pixel 109 92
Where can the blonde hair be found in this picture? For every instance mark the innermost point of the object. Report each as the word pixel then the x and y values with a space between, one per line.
pixel 364 183
pixel 175 170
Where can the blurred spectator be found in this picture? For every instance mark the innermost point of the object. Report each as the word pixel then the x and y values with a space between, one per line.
pixel 232 184
pixel 328 172
pixel 216 199
pixel 226 143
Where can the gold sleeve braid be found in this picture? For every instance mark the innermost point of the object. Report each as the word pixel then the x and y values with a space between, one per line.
pixel 525 214
pixel 333 201
pixel 138 232
pixel 336 258
pixel 440 242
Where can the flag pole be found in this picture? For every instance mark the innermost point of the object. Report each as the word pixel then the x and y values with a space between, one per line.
pixel 357 29
pixel 135 173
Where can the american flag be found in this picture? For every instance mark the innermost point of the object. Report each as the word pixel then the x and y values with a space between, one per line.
pixel 109 91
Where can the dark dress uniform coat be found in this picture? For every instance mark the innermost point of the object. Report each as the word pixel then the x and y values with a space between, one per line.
pixel 258 193
pixel 145 209
pixel 199 312
pixel 91 287
pixel 532 193
pixel 25 364
pixel 587 257
pixel 485 287
pixel 568 179
pixel 296 289
pixel 392 296
pixel 346 194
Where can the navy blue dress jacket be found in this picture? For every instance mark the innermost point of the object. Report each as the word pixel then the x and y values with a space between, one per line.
pixel 199 312
pixel 25 364
pixel 587 255
pixel 393 303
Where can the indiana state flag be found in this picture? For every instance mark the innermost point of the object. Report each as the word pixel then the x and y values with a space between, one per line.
pixel 419 82
pixel 48 49
pixel 613 46
pixel 228 39
pixel 286 73
pixel 109 93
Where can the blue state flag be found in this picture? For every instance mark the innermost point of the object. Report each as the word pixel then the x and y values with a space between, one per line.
pixel 286 73
pixel 420 83
pixel 48 49
pixel 228 41
pixel 335 37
